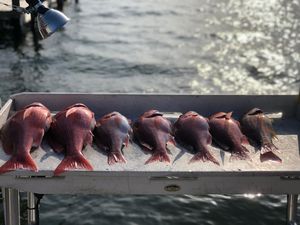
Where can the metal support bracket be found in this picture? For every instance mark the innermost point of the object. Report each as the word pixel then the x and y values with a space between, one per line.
pixel 292 202
pixel 11 205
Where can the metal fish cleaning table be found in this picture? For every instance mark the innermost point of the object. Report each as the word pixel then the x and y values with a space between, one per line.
pixel 177 177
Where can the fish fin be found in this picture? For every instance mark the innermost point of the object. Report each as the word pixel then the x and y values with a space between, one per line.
pixel 209 139
pixel 270 156
pixel 267 147
pixel 38 137
pixel 100 145
pixel 267 125
pixel 57 147
pixel 239 153
pixel 19 162
pixel 7 147
pixel 204 156
pixel 89 138
pixel 172 140
pixel 273 134
pixel 146 147
pixel 168 150
pixel 126 141
pixel 220 144
pixel 237 123
pixel 245 141
pixel 228 115
pixel 73 162
pixel 115 157
pixel 158 156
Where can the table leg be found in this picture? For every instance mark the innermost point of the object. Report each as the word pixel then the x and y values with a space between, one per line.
pixel 292 202
pixel 31 211
pixel 11 205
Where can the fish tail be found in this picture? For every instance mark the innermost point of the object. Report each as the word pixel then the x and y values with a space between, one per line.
pixel 19 162
pixel 270 156
pixel 239 153
pixel 159 155
pixel 267 147
pixel 73 162
pixel 115 157
pixel 204 155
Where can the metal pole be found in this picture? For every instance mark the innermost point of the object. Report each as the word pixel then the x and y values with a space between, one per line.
pixel 11 205
pixel 298 108
pixel 60 5
pixel 292 201
pixel 31 209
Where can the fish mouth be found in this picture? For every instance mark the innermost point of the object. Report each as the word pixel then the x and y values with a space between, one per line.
pixel 35 104
pixel 152 113
pixel 222 115
pixel 254 111
pixel 189 114
pixel 110 115
pixel 77 105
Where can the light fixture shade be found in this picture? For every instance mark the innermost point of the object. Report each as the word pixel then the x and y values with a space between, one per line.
pixel 50 21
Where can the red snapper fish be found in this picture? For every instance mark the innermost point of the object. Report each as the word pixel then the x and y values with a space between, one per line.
pixel 258 128
pixel 21 133
pixel 227 134
pixel 153 132
pixel 112 132
pixel 192 129
pixel 70 132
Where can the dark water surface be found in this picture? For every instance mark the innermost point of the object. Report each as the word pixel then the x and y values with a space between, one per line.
pixel 192 46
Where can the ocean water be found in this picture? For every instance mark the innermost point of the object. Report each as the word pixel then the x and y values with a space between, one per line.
pixel 192 46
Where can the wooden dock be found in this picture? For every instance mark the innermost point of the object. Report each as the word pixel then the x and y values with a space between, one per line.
pixel 6 12
pixel 11 19
pixel 4 8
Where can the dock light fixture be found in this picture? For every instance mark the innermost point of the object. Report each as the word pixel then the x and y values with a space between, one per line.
pixel 48 20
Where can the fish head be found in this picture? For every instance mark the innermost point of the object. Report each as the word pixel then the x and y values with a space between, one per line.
pixel 185 116
pixel 77 113
pixel 113 116
pixel 186 119
pixel 39 110
pixel 151 113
